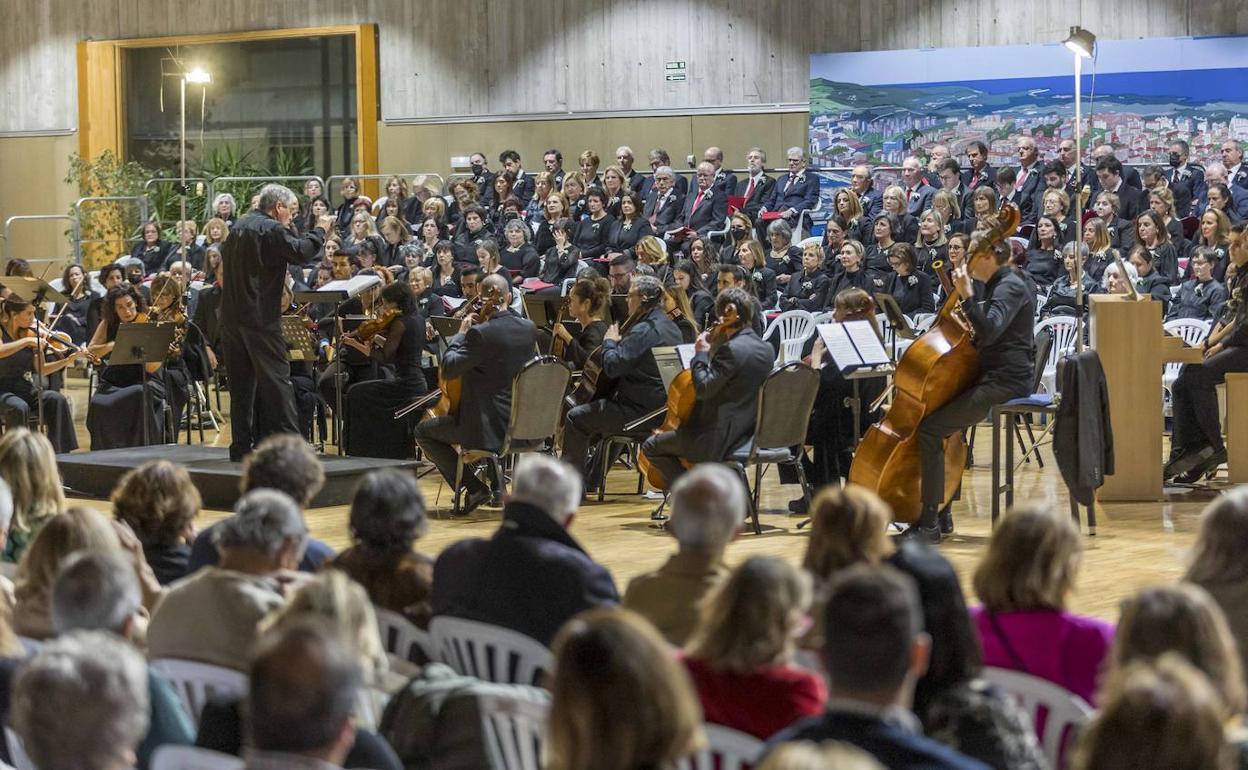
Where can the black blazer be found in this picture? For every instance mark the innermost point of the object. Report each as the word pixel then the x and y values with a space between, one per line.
pixel 590 236
pixel 530 577
pixel 466 244
pixel 487 358
pixel 623 238
pixel 913 292
pixel 1044 266
pixel 866 279
pixel 154 257
pixel 680 186
pixel 891 744
pixel 794 192
pixel 763 285
pixel 1028 204
pixel 987 176
pixel 725 182
pixel 630 362
pixel 753 203
pixel 557 268
pixel 524 260
pixel 663 213
pixel 807 292
pixel 710 214
pixel 726 382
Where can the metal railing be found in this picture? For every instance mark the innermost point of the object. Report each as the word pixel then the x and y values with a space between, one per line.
pixel 142 201
pixel 241 206
pixel 410 176
pixel 8 240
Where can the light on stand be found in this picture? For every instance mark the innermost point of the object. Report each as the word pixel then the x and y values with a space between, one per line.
pixel 1082 44
pixel 199 76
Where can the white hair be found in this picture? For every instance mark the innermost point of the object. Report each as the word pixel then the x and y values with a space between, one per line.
pixel 264 519
pixel 1133 275
pixel 708 507
pixel 546 483
pixel 272 194
pixel 94 592
pixel 81 703
pixel 798 151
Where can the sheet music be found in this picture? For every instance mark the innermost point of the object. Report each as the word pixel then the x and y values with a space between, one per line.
pixel 868 343
pixel 351 286
pixel 836 339
pixel 686 353
pixel 453 303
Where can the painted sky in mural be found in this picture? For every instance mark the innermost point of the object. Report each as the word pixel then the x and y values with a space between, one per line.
pixel 880 106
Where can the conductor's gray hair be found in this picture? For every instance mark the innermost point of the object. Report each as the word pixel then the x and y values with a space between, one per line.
pixel 547 483
pixel 264 519
pixel 708 507
pixel 273 194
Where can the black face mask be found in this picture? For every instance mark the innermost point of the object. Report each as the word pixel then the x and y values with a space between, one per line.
pixel 738 233
pixel 1175 160
pixel 477 168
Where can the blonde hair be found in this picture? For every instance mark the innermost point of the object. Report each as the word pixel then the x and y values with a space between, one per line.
pixel 28 464
pixel 650 251
pixel 439 207
pixel 894 191
pixel 756 251
pixel 77 529
pixel 804 755
pixel 397 225
pixel 848 526
pixel 619 700
pixel 336 598
pixel 936 217
pixel 1031 562
pixel 1182 619
pixel 1062 198
pixel 1128 733
pixel 1223 230
pixel 950 200
pixel 815 249
pixel 367 218
pixel 1100 235
pixel 591 156
pixel 216 222
pixel 747 622
pixel 576 177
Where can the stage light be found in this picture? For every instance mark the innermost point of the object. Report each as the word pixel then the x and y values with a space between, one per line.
pixel 1081 42
pixel 199 75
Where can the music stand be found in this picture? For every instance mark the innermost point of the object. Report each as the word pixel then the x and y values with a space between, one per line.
pixel 36 291
pixel 142 344
pixel 299 343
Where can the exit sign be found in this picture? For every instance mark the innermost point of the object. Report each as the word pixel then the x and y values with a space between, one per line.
pixel 673 77
pixel 674 65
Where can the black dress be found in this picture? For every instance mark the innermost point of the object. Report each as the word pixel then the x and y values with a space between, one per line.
pixel 115 414
pixel 590 236
pixel 1045 265
pixel 371 428
pixel 72 318
pixel 913 293
pixel 582 345
pixel 522 261
pixel 18 399
pixel 623 236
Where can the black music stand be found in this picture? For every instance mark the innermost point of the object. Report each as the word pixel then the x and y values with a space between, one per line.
pixel 299 343
pixel 142 344
pixel 37 291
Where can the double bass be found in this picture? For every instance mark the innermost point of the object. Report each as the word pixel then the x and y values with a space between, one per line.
pixel 487 303
pixel 937 368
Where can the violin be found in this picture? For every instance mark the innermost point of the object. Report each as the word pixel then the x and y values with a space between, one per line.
pixel 369 329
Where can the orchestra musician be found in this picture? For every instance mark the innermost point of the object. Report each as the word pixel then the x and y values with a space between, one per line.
pixel 485 357
pixel 255 257
pixel 587 304
pixel 302 373
pixel 729 365
pixel 176 373
pixel 371 430
pixel 1197 448
pixel 1002 322
pixel 626 358
pixel 115 414
pixel 20 362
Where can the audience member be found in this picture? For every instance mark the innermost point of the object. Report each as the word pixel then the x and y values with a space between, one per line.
pixel 284 462
pixel 1024 582
pixel 387 518
pixel 848 526
pixel 956 706
pixel 803 755
pixel 874 653
pixel 531 576
pixel 98 592
pixel 741 655
pixel 619 700
pixel 1218 563
pixel 304 685
pixel 28 465
pixel 211 615
pixel 159 503
pixel 1156 716
pixel 708 505
pixel 81 703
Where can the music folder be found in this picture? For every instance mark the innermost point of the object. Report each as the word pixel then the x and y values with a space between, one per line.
pixel 339 291
pixel 853 345
pixel 445 326
pixel 900 321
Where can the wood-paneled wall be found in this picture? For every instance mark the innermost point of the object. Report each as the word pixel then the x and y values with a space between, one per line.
pixel 448 59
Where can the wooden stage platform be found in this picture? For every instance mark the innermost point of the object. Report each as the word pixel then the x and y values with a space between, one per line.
pixel 1137 544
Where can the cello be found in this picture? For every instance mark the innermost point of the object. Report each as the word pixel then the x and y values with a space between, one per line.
pixel 937 368
pixel 682 396
pixel 487 303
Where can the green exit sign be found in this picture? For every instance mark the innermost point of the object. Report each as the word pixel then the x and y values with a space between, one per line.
pixel 674 65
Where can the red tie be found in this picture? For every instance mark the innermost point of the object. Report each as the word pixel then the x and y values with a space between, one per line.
pixel 749 190
pixel 1022 178
pixel 696 201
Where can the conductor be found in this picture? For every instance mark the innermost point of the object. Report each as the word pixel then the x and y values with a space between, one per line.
pixel 255 257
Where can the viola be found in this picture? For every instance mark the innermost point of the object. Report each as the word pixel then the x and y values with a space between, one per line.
pixel 937 368
pixel 374 326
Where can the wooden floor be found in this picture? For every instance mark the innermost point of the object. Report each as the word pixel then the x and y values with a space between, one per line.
pixel 1137 544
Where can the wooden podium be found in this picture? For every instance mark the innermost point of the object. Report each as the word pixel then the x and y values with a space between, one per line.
pixel 1128 337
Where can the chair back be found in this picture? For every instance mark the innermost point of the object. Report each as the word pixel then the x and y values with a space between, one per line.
pixel 1056 713
pixel 784 405
pixel 196 682
pixel 726 749
pixel 489 652
pixel 401 638
pixel 1063 330
pixel 1043 344
pixel 794 328
pixel 170 757
pixel 1193 331
pixel 537 400
pixel 17 750
pixel 514 726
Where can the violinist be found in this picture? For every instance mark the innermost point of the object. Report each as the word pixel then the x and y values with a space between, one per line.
pixel 351 367
pixel 626 359
pixel 396 340
pixel 587 304
pixel 485 357
pixel 167 309
pixel 302 375
pixel 115 415
pixel 729 366
pixel 110 276
pixel 20 363
pixel 1002 324
pixel 71 317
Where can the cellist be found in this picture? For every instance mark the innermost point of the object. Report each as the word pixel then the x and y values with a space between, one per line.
pixel 485 357
pixel 1003 323
pixel 729 365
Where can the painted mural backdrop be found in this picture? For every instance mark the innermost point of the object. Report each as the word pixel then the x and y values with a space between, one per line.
pixel 877 107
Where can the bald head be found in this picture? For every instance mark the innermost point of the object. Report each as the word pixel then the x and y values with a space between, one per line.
pixel 496 283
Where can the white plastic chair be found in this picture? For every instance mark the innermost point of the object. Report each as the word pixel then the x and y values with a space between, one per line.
pixel 193 758
pixel 514 726
pixel 401 638
pixel 1056 714
pixel 196 682
pixel 489 652
pixel 826 317
pixel 1193 331
pixel 726 749
pixel 1063 330
pixel 17 751
pixel 794 327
